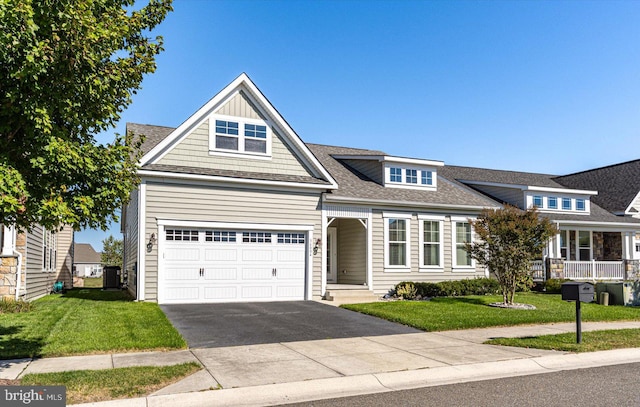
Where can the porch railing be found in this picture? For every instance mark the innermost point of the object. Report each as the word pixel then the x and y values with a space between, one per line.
pixel 594 270
pixel 537 270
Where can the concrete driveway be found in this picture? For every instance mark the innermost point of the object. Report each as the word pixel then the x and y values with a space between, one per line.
pixel 235 324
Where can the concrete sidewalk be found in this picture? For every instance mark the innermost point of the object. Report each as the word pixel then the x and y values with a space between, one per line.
pixel 302 371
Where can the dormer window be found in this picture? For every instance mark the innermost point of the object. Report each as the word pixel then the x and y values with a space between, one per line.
pixel 427 178
pixel 412 176
pixel 566 204
pixel 552 202
pixel 395 174
pixel 537 201
pixel 239 136
pixel 580 205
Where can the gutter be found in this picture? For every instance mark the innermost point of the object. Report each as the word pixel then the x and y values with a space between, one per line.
pixel 337 199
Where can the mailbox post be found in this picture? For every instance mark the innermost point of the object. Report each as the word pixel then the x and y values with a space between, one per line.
pixel 578 292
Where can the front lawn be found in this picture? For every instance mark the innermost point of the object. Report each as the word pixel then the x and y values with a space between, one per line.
pixel 448 313
pixel 591 341
pixel 86 321
pixel 88 386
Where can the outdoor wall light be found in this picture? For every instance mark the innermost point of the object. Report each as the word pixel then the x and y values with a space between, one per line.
pixel 152 241
pixel 317 245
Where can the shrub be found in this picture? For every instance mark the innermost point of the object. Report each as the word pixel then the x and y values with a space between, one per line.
pixel 11 306
pixel 476 286
pixel 552 285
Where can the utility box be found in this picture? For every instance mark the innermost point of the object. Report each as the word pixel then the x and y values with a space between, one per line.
pixel 577 291
pixel 111 277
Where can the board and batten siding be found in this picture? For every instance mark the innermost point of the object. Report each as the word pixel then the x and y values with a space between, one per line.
pixel 370 168
pixel 383 280
pixel 352 252
pixel 239 105
pixel 226 204
pixel 131 242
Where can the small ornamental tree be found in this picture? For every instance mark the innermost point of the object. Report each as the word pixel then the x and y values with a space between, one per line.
pixel 508 240
pixel 68 69
pixel 112 250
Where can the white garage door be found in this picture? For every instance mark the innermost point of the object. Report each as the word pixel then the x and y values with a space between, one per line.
pixel 207 265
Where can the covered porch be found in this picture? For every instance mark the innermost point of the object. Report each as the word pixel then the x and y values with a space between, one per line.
pixel 346 260
pixel 590 253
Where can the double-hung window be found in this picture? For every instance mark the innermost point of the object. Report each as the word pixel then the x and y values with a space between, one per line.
pixel 584 245
pixel 227 135
pixel 431 242
pixel 397 241
pixel 230 135
pixel 255 138
pixel 461 235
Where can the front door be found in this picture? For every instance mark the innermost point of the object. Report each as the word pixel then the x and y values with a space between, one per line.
pixel 332 255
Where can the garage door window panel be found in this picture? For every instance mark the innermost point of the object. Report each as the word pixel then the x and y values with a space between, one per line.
pixel 256 237
pixel 181 235
pixel 220 236
pixel 291 238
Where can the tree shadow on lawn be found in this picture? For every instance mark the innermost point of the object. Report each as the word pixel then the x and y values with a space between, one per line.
pixel 98 294
pixel 457 300
pixel 12 347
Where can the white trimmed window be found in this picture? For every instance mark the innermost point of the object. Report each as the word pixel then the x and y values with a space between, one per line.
pixel 584 245
pixel 427 178
pixel 412 176
pixel 552 202
pixel 580 206
pixel 395 174
pixel 239 135
pixel 462 233
pixel 397 232
pixel 537 201
pixel 566 204
pixel 431 243
pixel 49 245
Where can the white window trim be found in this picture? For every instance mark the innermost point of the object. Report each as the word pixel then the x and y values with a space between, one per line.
pixel 407 185
pixel 440 219
pixel 241 138
pixel 406 268
pixel 454 260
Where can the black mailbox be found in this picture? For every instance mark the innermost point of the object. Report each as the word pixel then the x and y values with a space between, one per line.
pixel 575 291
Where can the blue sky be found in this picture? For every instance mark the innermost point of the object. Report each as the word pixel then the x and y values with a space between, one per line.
pixel 542 86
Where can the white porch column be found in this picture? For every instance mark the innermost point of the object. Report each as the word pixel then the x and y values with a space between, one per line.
pixel 8 239
pixel 324 247
pixel 627 246
pixel 558 251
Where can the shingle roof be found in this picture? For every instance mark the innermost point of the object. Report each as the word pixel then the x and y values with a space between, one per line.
pixel 84 253
pixel 617 185
pixel 353 184
pixel 153 134
pixel 597 213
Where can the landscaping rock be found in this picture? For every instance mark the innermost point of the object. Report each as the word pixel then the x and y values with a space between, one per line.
pixel 512 306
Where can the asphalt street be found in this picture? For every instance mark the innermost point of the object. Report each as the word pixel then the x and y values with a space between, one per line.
pixel 617 385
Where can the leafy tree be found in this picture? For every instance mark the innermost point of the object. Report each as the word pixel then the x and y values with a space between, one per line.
pixel 68 68
pixel 112 250
pixel 508 240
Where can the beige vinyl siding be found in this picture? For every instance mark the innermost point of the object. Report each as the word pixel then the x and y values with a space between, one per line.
pixel 38 282
pixel 193 151
pixel 240 106
pixel 370 168
pixel 512 196
pixel 64 257
pixel 352 251
pixel 383 280
pixel 203 203
pixel 131 242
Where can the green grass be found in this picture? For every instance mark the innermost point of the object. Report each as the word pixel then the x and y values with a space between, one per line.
pixel 85 386
pixel 86 321
pixel 448 313
pixel 591 341
pixel 92 282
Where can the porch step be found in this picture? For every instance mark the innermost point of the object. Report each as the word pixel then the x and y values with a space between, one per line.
pixel 350 296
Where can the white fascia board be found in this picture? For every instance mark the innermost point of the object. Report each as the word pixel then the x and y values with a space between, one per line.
pixel 391 159
pixel 531 187
pixel 628 210
pixel 339 199
pixel 233 225
pixel 241 82
pixel 230 180
pixel 618 226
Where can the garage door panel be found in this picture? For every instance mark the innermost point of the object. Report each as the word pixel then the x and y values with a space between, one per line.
pixel 228 273
pixel 221 255
pixel 257 292
pixel 285 291
pixel 182 273
pixel 290 256
pixel 220 293
pixel 182 254
pixel 256 273
pixel 290 273
pixel 178 294
pixel 257 255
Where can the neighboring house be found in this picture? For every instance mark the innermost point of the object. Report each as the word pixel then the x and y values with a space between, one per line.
pixel 32 261
pixel 234 206
pixel 86 261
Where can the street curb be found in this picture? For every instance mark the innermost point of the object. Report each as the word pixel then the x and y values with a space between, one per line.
pixel 304 391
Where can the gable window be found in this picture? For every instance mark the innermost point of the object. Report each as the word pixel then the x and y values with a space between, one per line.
pixel 397 241
pixel 412 176
pixel 566 204
pixel 226 135
pixel 552 202
pixel 431 241
pixel 239 135
pixel 427 178
pixel 580 205
pixel 461 236
pixel 396 174
pixel 255 138
pixel 537 201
